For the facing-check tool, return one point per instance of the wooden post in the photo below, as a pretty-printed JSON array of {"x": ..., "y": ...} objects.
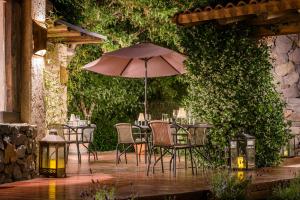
[
  {"x": 26, "y": 62},
  {"x": 2, "y": 57}
]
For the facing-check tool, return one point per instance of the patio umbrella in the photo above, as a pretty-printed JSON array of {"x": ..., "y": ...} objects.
[{"x": 144, "y": 60}]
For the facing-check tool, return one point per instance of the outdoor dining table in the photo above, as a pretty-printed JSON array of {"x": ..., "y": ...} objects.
[{"x": 81, "y": 137}]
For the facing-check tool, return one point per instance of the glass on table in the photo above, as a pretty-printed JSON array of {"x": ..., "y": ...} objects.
[{"x": 165, "y": 117}]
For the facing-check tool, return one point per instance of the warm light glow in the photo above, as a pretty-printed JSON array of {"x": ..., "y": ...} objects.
[
  {"x": 240, "y": 162},
  {"x": 141, "y": 117},
  {"x": 241, "y": 175},
  {"x": 181, "y": 113},
  {"x": 61, "y": 164},
  {"x": 285, "y": 151},
  {"x": 41, "y": 52},
  {"x": 52, "y": 190}
]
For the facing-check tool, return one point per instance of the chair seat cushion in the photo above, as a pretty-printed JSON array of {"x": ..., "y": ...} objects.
[
  {"x": 140, "y": 140},
  {"x": 181, "y": 146}
]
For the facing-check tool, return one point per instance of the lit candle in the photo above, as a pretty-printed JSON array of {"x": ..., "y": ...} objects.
[
  {"x": 240, "y": 162},
  {"x": 241, "y": 175},
  {"x": 61, "y": 164}
]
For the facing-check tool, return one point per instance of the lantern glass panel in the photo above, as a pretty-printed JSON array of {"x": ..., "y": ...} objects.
[
  {"x": 61, "y": 156},
  {"x": 52, "y": 157},
  {"x": 44, "y": 157},
  {"x": 292, "y": 147},
  {"x": 233, "y": 154},
  {"x": 251, "y": 156}
]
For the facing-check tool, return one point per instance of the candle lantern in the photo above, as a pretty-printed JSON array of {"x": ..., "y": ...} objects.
[
  {"x": 242, "y": 152},
  {"x": 288, "y": 150},
  {"x": 52, "y": 155}
]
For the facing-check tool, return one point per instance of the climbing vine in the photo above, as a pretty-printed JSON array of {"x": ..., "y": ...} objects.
[{"x": 230, "y": 86}]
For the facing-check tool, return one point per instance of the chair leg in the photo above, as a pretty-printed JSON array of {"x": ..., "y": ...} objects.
[
  {"x": 146, "y": 153},
  {"x": 78, "y": 153},
  {"x": 125, "y": 153},
  {"x": 191, "y": 155},
  {"x": 67, "y": 152},
  {"x": 140, "y": 152},
  {"x": 161, "y": 160},
  {"x": 174, "y": 163},
  {"x": 96, "y": 155},
  {"x": 171, "y": 160},
  {"x": 117, "y": 154},
  {"x": 149, "y": 160},
  {"x": 185, "y": 160},
  {"x": 136, "y": 154}
]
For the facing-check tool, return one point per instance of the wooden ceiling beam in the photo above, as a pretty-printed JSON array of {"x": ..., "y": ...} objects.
[
  {"x": 84, "y": 39},
  {"x": 260, "y": 8},
  {"x": 63, "y": 34},
  {"x": 57, "y": 28},
  {"x": 282, "y": 29}
]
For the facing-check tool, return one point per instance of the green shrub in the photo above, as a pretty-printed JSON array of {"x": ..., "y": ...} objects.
[
  {"x": 290, "y": 191},
  {"x": 229, "y": 187}
]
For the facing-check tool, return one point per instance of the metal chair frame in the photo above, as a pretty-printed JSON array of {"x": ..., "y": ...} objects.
[{"x": 129, "y": 141}]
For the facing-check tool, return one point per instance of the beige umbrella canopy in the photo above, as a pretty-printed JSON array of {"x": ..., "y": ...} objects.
[{"x": 144, "y": 60}]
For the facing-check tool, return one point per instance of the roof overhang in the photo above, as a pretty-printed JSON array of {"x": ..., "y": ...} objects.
[
  {"x": 64, "y": 32},
  {"x": 272, "y": 17}
]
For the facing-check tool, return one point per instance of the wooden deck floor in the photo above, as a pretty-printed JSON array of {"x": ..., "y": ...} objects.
[{"x": 130, "y": 180}]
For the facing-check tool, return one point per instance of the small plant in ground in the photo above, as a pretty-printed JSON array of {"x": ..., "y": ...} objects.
[
  {"x": 229, "y": 187},
  {"x": 287, "y": 191},
  {"x": 98, "y": 191}
]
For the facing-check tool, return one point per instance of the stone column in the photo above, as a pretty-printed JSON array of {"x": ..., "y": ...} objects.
[
  {"x": 2, "y": 57},
  {"x": 38, "y": 114}
]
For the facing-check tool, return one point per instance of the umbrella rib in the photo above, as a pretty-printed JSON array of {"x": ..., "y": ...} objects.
[
  {"x": 126, "y": 66},
  {"x": 170, "y": 64}
]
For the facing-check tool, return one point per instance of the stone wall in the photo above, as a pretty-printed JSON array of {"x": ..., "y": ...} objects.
[
  {"x": 17, "y": 152},
  {"x": 57, "y": 59},
  {"x": 285, "y": 52}
]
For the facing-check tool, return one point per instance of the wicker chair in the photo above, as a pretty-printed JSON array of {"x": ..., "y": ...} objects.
[
  {"x": 162, "y": 138},
  {"x": 125, "y": 138}
]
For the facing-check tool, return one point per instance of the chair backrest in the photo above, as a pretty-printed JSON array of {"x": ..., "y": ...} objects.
[
  {"x": 161, "y": 133},
  {"x": 198, "y": 136},
  {"x": 124, "y": 133},
  {"x": 88, "y": 133}
]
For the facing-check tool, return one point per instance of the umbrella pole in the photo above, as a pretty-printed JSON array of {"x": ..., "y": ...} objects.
[{"x": 145, "y": 100}]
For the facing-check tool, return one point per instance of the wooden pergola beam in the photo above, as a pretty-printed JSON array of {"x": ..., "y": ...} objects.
[
  {"x": 75, "y": 40},
  {"x": 64, "y": 32},
  {"x": 283, "y": 29},
  {"x": 240, "y": 10}
]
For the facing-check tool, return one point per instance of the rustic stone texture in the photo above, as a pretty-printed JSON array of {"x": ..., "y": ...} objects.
[
  {"x": 291, "y": 78},
  {"x": 21, "y": 150},
  {"x": 295, "y": 56},
  {"x": 10, "y": 153},
  {"x": 1, "y": 144},
  {"x": 17, "y": 174},
  {"x": 291, "y": 92},
  {"x": 285, "y": 55},
  {"x": 1, "y": 168},
  {"x": 21, "y": 139},
  {"x": 283, "y": 45},
  {"x": 18, "y": 159},
  {"x": 284, "y": 69}
]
